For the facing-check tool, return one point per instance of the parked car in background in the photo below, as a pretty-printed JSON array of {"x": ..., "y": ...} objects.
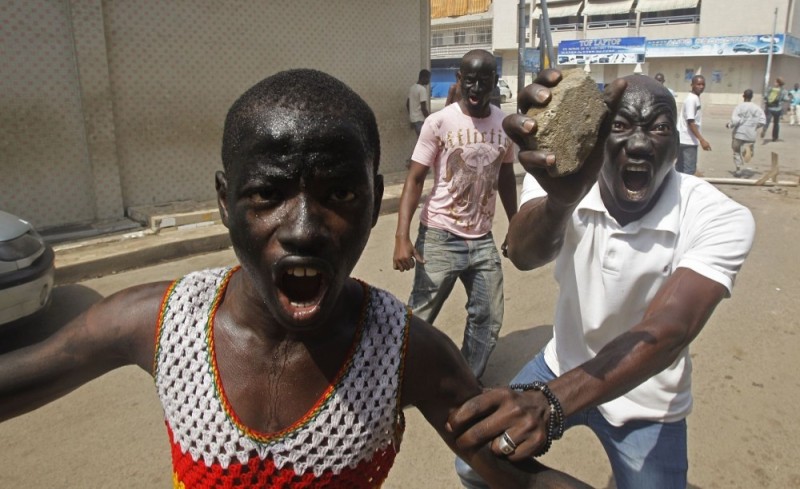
[
  {"x": 743, "y": 48},
  {"x": 27, "y": 269},
  {"x": 765, "y": 49},
  {"x": 505, "y": 91}
]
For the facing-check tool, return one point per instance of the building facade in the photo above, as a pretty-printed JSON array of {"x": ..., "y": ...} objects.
[
  {"x": 727, "y": 41},
  {"x": 111, "y": 104}
]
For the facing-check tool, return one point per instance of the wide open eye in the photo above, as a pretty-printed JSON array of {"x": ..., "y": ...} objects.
[
  {"x": 663, "y": 128},
  {"x": 619, "y": 125}
]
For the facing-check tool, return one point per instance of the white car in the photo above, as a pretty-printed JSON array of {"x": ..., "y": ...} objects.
[
  {"x": 505, "y": 91},
  {"x": 27, "y": 269}
]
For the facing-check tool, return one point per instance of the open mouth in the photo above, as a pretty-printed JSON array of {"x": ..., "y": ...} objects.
[
  {"x": 302, "y": 289},
  {"x": 636, "y": 179},
  {"x": 474, "y": 99}
]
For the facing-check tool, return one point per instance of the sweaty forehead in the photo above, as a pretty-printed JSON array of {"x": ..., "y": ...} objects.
[
  {"x": 287, "y": 129},
  {"x": 477, "y": 64},
  {"x": 647, "y": 99}
]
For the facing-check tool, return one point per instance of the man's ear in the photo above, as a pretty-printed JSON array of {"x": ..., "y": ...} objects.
[
  {"x": 221, "y": 183},
  {"x": 376, "y": 205}
]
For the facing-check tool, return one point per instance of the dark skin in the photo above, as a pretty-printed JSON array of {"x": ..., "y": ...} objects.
[
  {"x": 638, "y": 134},
  {"x": 292, "y": 200},
  {"x": 476, "y": 77}
]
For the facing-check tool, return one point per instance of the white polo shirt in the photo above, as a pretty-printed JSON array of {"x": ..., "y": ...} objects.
[{"x": 608, "y": 274}]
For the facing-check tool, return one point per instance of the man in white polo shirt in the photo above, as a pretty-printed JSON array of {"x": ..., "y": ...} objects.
[{"x": 643, "y": 256}]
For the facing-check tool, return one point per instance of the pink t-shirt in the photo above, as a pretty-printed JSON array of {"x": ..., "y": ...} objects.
[{"x": 465, "y": 154}]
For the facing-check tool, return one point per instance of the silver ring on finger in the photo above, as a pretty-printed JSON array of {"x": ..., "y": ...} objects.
[{"x": 506, "y": 444}]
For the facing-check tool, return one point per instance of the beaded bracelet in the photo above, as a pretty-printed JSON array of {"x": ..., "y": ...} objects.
[{"x": 555, "y": 425}]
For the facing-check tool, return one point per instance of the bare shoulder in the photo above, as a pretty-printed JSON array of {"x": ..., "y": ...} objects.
[
  {"x": 119, "y": 330},
  {"x": 127, "y": 321}
]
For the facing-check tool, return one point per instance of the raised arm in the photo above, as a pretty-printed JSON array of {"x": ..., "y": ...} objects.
[
  {"x": 437, "y": 380},
  {"x": 536, "y": 232},
  {"x": 117, "y": 331}
]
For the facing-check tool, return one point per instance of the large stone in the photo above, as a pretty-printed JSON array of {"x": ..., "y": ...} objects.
[{"x": 568, "y": 125}]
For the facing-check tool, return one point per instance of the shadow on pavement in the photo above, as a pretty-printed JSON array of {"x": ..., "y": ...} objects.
[
  {"x": 513, "y": 351},
  {"x": 66, "y": 303}
]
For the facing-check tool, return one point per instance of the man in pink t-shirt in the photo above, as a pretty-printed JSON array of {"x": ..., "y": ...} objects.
[{"x": 472, "y": 158}]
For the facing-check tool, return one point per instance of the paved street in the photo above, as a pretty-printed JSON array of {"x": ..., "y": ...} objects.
[{"x": 743, "y": 432}]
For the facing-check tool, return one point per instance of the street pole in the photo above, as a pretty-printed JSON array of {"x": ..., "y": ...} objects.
[
  {"x": 547, "y": 35},
  {"x": 769, "y": 53},
  {"x": 521, "y": 47}
]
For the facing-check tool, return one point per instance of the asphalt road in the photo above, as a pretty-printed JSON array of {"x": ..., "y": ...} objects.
[{"x": 742, "y": 433}]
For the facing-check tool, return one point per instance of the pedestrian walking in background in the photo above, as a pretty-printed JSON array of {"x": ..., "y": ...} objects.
[
  {"x": 745, "y": 121},
  {"x": 417, "y": 101},
  {"x": 661, "y": 79},
  {"x": 774, "y": 98},
  {"x": 689, "y": 123},
  {"x": 795, "y": 94}
]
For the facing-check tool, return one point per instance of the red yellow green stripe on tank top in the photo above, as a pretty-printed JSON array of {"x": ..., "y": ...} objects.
[
  {"x": 191, "y": 474},
  {"x": 160, "y": 324}
]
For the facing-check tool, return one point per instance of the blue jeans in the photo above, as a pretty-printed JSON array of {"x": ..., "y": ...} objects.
[
  {"x": 643, "y": 454},
  {"x": 476, "y": 263},
  {"x": 687, "y": 159}
]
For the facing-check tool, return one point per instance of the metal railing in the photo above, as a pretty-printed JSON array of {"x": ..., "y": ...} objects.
[
  {"x": 457, "y": 50},
  {"x": 678, "y": 19},
  {"x": 611, "y": 24}
]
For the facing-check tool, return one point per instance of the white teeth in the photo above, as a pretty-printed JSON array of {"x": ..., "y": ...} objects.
[
  {"x": 301, "y": 304},
  {"x": 302, "y": 272},
  {"x": 635, "y": 167}
]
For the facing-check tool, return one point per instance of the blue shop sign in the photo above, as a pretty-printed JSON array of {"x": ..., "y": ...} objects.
[
  {"x": 618, "y": 50},
  {"x": 755, "y": 44}
]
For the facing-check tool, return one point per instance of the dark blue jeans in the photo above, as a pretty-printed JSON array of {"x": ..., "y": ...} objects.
[{"x": 775, "y": 118}]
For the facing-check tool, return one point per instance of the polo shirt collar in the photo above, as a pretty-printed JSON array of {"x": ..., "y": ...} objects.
[{"x": 664, "y": 216}]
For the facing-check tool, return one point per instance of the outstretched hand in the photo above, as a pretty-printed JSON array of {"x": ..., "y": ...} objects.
[
  {"x": 565, "y": 190},
  {"x": 483, "y": 419}
]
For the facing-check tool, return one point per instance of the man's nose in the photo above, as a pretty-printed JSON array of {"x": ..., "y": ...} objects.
[
  {"x": 303, "y": 228},
  {"x": 638, "y": 140}
]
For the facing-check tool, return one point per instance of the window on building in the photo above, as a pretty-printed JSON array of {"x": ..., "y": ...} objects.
[
  {"x": 483, "y": 35},
  {"x": 437, "y": 39},
  {"x": 573, "y": 22},
  {"x": 612, "y": 20},
  {"x": 459, "y": 37},
  {"x": 684, "y": 12}
]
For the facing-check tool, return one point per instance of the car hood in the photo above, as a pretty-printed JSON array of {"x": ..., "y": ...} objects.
[{"x": 12, "y": 227}]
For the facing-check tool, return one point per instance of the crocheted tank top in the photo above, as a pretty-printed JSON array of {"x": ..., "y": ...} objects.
[{"x": 348, "y": 439}]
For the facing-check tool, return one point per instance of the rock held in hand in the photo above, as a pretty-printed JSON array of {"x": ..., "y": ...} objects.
[{"x": 568, "y": 125}]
